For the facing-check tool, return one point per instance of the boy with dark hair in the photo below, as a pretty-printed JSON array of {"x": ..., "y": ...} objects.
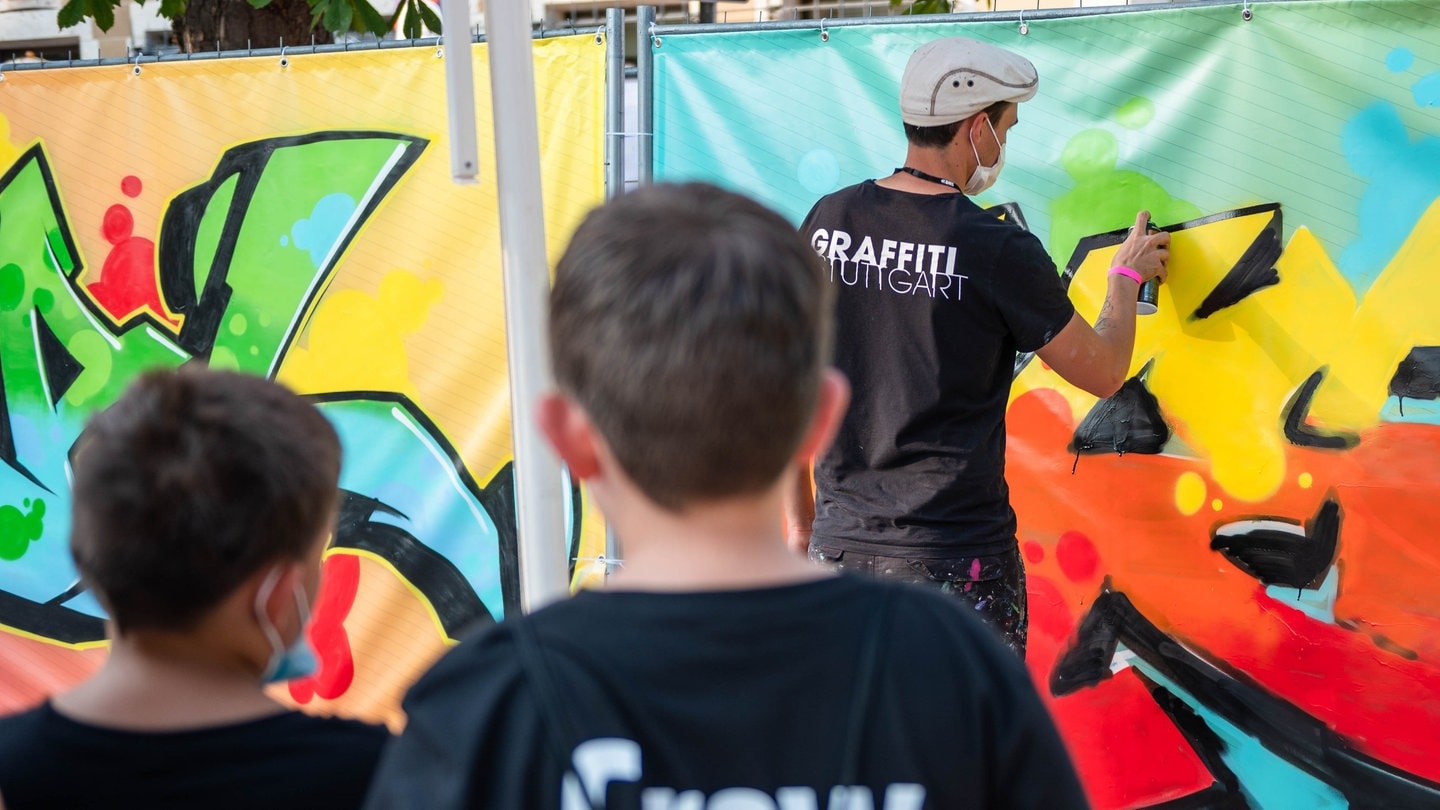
[
  {"x": 690, "y": 330},
  {"x": 202, "y": 503}
]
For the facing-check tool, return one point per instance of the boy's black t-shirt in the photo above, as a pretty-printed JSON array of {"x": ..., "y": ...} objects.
[
  {"x": 699, "y": 699},
  {"x": 934, "y": 298},
  {"x": 288, "y": 761}
]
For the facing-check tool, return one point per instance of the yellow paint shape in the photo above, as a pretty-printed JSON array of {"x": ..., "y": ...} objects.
[
  {"x": 8, "y": 152},
  {"x": 1224, "y": 381},
  {"x": 1217, "y": 504},
  {"x": 1189, "y": 493},
  {"x": 347, "y": 320},
  {"x": 1305, "y": 480},
  {"x": 1396, "y": 315}
]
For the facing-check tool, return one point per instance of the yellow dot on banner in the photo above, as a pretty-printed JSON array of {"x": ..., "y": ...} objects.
[
  {"x": 1217, "y": 504},
  {"x": 1306, "y": 480},
  {"x": 1189, "y": 493}
]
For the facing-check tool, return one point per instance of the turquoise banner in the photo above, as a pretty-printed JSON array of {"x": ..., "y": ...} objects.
[
  {"x": 1323, "y": 105},
  {"x": 1242, "y": 612}
]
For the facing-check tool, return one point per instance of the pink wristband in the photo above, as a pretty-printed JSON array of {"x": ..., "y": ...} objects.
[{"x": 1122, "y": 270}]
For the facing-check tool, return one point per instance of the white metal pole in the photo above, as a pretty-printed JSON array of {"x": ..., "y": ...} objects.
[
  {"x": 539, "y": 491},
  {"x": 460, "y": 91}
]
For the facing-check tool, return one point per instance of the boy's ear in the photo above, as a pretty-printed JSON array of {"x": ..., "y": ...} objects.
[
  {"x": 830, "y": 409},
  {"x": 570, "y": 431}
]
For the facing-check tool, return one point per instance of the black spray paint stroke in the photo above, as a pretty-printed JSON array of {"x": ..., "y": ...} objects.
[
  {"x": 1011, "y": 212},
  {"x": 1277, "y": 557},
  {"x": 1299, "y": 432},
  {"x": 50, "y": 620},
  {"x": 1245, "y": 266},
  {"x": 1418, "y": 376},
  {"x": 1224, "y": 793},
  {"x": 35, "y": 155},
  {"x": 60, "y": 367},
  {"x": 445, "y": 588},
  {"x": 8, "y": 453},
  {"x": 1254, "y": 271},
  {"x": 1128, "y": 421},
  {"x": 497, "y": 499},
  {"x": 1280, "y": 726},
  {"x": 180, "y": 227}
]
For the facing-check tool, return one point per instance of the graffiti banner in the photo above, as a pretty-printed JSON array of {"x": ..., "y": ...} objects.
[
  {"x": 1232, "y": 560},
  {"x": 292, "y": 218}
]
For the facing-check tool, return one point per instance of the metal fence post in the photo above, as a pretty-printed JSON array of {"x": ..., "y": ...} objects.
[{"x": 614, "y": 102}]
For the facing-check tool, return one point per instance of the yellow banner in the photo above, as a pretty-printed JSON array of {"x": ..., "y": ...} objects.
[{"x": 296, "y": 220}]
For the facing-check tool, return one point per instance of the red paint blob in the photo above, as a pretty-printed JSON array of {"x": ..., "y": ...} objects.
[
  {"x": 118, "y": 224},
  {"x": 1077, "y": 556},
  {"x": 1049, "y": 613},
  {"x": 131, "y": 186},
  {"x": 1034, "y": 552},
  {"x": 339, "y": 582}
]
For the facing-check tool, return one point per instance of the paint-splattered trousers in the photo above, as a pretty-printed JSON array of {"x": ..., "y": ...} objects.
[{"x": 994, "y": 586}]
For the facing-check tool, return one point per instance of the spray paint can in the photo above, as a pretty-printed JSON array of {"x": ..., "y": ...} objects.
[{"x": 1149, "y": 301}]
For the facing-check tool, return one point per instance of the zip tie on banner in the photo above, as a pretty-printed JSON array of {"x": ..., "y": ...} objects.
[
  {"x": 284, "y": 60},
  {"x": 1024, "y": 26},
  {"x": 136, "y": 69},
  {"x": 1245, "y": 13},
  {"x": 600, "y": 35},
  {"x": 824, "y": 35},
  {"x": 439, "y": 48},
  {"x": 654, "y": 38}
]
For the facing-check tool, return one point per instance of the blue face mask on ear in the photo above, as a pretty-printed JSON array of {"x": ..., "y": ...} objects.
[{"x": 286, "y": 663}]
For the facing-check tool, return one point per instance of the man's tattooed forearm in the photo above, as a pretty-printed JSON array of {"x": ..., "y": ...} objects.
[{"x": 1102, "y": 322}]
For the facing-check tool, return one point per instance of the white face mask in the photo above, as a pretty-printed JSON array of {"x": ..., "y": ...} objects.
[
  {"x": 984, "y": 176},
  {"x": 297, "y": 660}
]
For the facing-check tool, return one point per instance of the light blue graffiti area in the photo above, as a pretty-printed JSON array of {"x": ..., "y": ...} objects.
[
  {"x": 818, "y": 171},
  {"x": 419, "y": 480},
  {"x": 1404, "y": 181},
  {"x": 1411, "y": 410},
  {"x": 1266, "y": 779},
  {"x": 1399, "y": 60},
  {"x": 1427, "y": 91},
  {"x": 321, "y": 232}
]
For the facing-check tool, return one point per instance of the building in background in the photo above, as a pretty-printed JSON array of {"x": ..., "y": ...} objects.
[{"x": 28, "y": 31}]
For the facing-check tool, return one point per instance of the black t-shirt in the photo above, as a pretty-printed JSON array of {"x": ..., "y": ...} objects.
[
  {"x": 288, "y": 761},
  {"x": 934, "y": 298},
  {"x": 693, "y": 699}
]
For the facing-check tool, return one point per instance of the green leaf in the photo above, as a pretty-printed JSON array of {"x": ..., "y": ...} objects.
[
  {"x": 71, "y": 13},
  {"x": 259, "y": 3},
  {"x": 412, "y": 20},
  {"x": 428, "y": 16},
  {"x": 371, "y": 19},
  {"x": 929, "y": 7},
  {"x": 338, "y": 16},
  {"x": 170, "y": 9},
  {"x": 104, "y": 13}
]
